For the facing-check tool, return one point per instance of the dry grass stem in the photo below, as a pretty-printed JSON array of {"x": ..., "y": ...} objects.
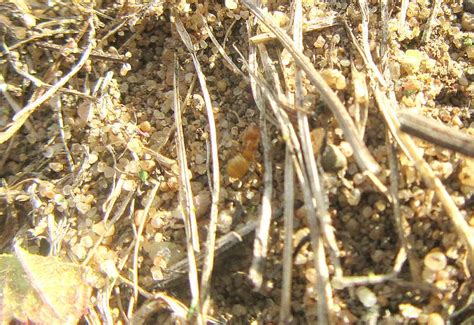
[
  {"x": 186, "y": 194},
  {"x": 324, "y": 230},
  {"x": 403, "y": 14},
  {"x": 436, "y": 132},
  {"x": 403, "y": 227},
  {"x": 435, "y": 5},
  {"x": 39, "y": 83},
  {"x": 180, "y": 269},
  {"x": 384, "y": 17},
  {"x": 137, "y": 245},
  {"x": 14, "y": 105},
  {"x": 285, "y": 309},
  {"x": 56, "y": 103},
  {"x": 363, "y": 157},
  {"x": 108, "y": 225},
  {"x": 231, "y": 65},
  {"x": 323, "y": 162},
  {"x": 215, "y": 189},
  {"x": 78, "y": 52},
  {"x": 286, "y": 127},
  {"x": 361, "y": 109},
  {"x": 21, "y": 117},
  {"x": 260, "y": 245},
  {"x": 461, "y": 227},
  {"x": 309, "y": 26},
  {"x": 186, "y": 204},
  {"x": 369, "y": 61},
  {"x": 406, "y": 143}
]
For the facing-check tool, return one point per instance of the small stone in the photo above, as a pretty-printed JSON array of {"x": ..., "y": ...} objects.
[
  {"x": 231, "y": 4},
  {"x": 470, "y": 51},
  {"x": 239, "y": 310},
  {"x": 334, "y": 78},
  {"x": 134, "y": 145},
  {"x": 224, "y": 221},
  {"x": 99, "y": 229},
  {"x": 435, "y": 319},
  {"x": 468, "y": 6},
  {"x": 147, "y": 165},
  {"x": 353, "y": 196},
  {"x": 87, "y": 241},
  {"x": 56, "y": 167},
  {"x": 346, "y": 149},
  {"x": 435, "y": 261},
  {"x": 411, "y": 61},
  {"x": 108, "y": 267},
  {"x": 79, "y": 251},
  {"x": 169, "y": 252},
  {"x": 333, "y": 159},
  {"x": 360, "y": 88},
  {"x": 129, "y": 185},
  {"x": 222, "y": 85},
  {"x": 145, "y": 126},
  {"x": 466, "y": 177},
  {"x": 156, "y": 273},
  {"x": 83, "y": 207},
  {"x": 467, "y": 22},
  {"x": 409, "y": 311},
  {"x": 202, "y": 202},
  {"x": 366, "y": 296}
]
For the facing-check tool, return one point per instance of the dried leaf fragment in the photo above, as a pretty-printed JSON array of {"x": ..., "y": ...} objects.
[{"x": 41, "y": 290}]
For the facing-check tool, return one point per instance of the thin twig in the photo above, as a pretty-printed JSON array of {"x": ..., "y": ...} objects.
[
  {"x": 407, "y": 144},
  {"x": 40, "y": 83},
  {"x": 108, "y": 225},
  {"x": 362, "y": 108},
  {"x": 232, "y": 66},
  {"x": 369, "y": 61},
  {"x": 115, "y": 192},
  {"x": 309, "y": 26},
  {"x": 403, "y": 14},
  {"x": 361, "y": 153},
  {"x": 186, "y": 204},
  {"x": 403, "y": 227},
  {"x": 260, "y": 247},
  {"x": 436, "y": 4},
  {"x": 211, "y": 235},
  {"x": 14, "y": 104},
  {"x": 285, "y": 309},
  {"x": 187, "y": 195},
  {"x": 56, "y": 103},
  {"x": 324, "y": 229},
  {"x": 179, "y": 270},
  {"x": 436, "y": 132},
  {"x": 20, "y": 118},
  {"x": 384, "y": 16},
  {"x": 388, "y": 108},
  {"x": 138, "y": 241},
  {"x": 94, "y": 54}
]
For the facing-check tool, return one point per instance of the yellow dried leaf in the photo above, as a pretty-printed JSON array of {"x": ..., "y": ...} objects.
[{"x": 41, "y": 290}]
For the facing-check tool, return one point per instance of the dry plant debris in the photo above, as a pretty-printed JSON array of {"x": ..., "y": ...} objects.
[{"x": 148, "y": 142}]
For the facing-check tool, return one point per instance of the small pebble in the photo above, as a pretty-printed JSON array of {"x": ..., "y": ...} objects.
[
  {"x": 435, "y": 261},
  {"x": 435, "y": 319},
  {"x": 366, "y": 296},
  {"x": 333, "y": 159},
  {"x": 467, "y": 22},
  {"x": 468, "y": 6}
]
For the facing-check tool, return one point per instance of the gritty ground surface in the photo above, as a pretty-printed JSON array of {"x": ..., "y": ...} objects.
[{"x": 78, "y": 177}]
